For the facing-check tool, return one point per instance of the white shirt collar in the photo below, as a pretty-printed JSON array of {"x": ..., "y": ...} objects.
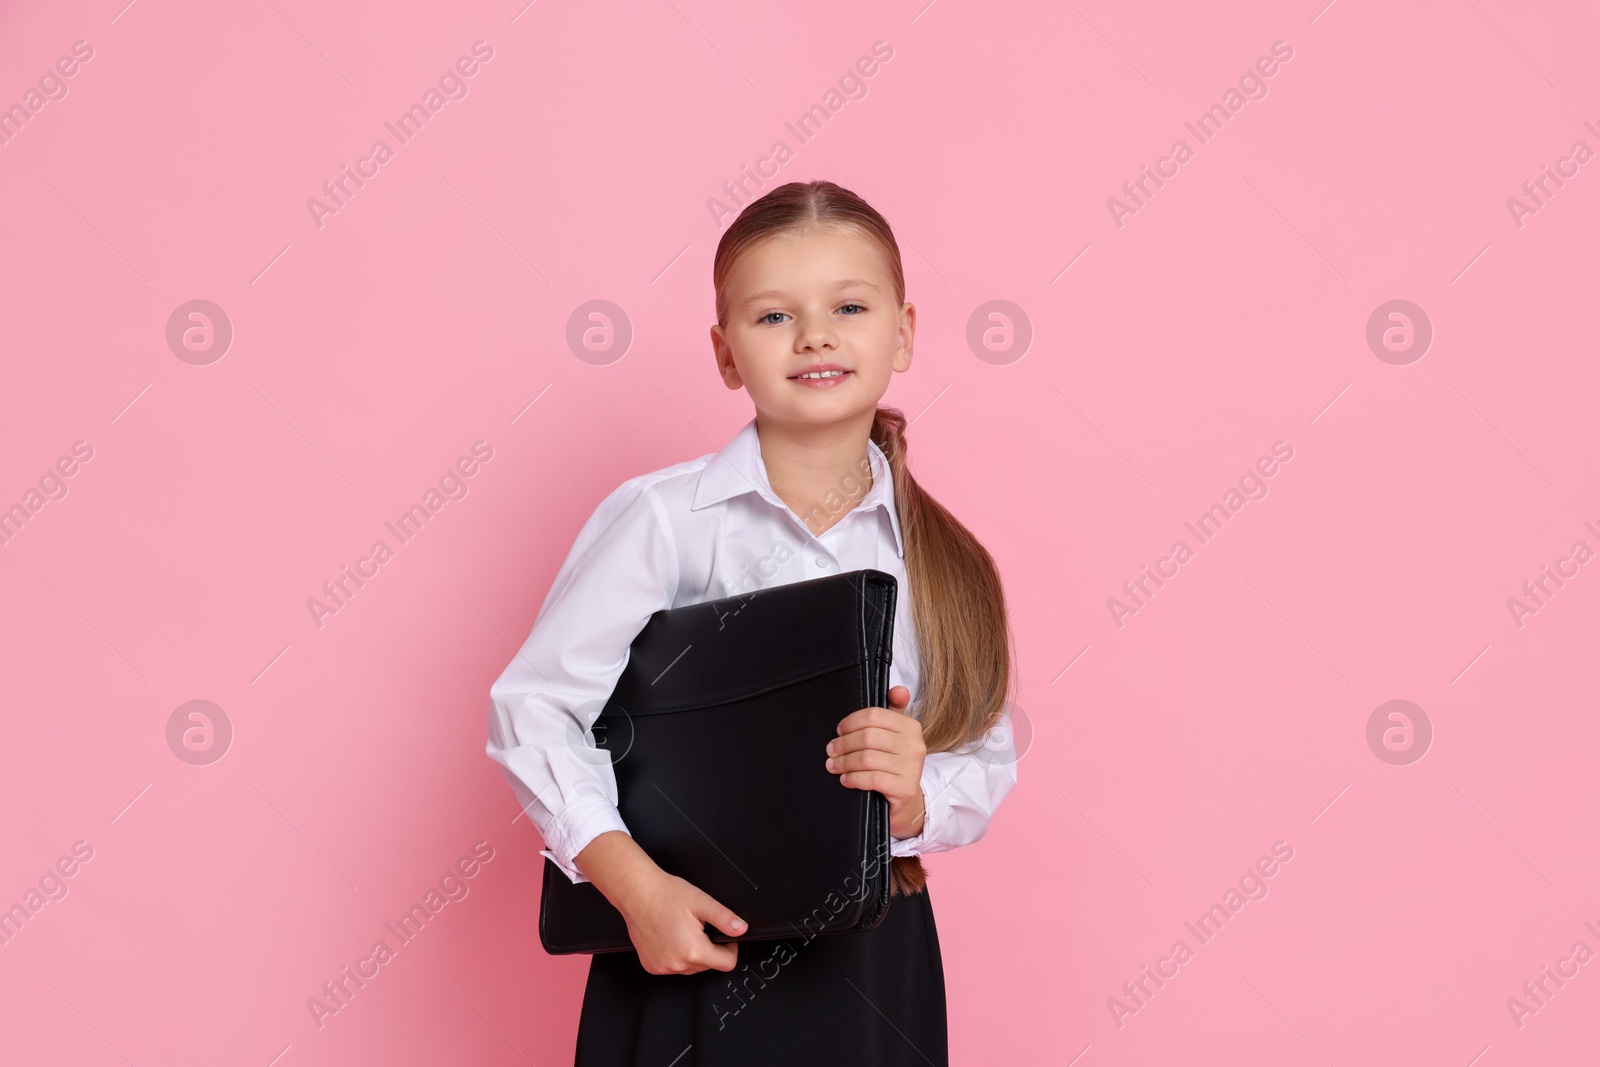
[{"x": 738, "y": 468}]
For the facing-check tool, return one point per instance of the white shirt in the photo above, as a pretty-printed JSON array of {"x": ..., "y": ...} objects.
[{"x": 696, "y": 531}]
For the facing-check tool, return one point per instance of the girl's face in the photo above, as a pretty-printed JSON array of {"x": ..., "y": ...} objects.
[{"x": 819, "y": 296}]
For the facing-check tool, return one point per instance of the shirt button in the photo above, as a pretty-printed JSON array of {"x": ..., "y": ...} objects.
[{"x": 822, "y": 561}]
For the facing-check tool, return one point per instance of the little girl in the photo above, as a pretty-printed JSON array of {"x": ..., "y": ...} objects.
[{"x": 811, "y": 322}]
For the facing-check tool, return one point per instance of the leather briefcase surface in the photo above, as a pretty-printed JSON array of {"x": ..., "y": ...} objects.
[{"x": 717, "y": 731}]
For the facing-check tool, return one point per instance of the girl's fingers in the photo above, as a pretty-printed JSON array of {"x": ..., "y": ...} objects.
[
  {"x": 878, "y": 737},
  {"x": 722, "y": 957},
  {"x": 708, "y": 909},
  {"x": 867, "y": 759},
  {"x": 873, "y": 742},
  {"x": 886, "y": 718}
]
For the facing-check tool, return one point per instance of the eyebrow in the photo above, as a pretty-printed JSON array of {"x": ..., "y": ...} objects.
[{"x": 767, "y": 294}]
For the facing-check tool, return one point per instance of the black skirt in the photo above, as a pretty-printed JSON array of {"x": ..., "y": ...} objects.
[{"x": 836, "y": 999}]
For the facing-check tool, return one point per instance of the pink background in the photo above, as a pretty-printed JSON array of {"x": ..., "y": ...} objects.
[{"x": 1229, "y": 313}]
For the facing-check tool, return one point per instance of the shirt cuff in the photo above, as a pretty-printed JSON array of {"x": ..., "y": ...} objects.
[
  {"x": 936, "y": 813},
  {"x": 579, "y": 823}
]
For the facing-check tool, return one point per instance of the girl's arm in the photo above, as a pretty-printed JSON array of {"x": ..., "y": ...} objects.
[
  {"x": 961, "y": 791},
  {"x": 622, "y": 568},
  {"x": 937, "y": 800}
]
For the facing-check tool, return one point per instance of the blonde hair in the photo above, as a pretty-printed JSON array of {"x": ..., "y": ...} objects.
[{"x": 964, "y": 638}]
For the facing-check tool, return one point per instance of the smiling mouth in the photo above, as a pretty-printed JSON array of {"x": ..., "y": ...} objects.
[{"x": 819, "y": 375}]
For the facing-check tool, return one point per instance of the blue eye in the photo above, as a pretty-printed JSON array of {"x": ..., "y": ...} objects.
[
  {"x": 853, "y": 306},
  {"x": 768, "y": 316}
]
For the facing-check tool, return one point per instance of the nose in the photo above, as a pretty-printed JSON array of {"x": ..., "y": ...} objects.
[{"x": 816, "y": 334}]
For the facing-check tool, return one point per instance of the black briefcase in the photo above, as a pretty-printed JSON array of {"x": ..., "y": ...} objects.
[{"x": 717, "y": 732}]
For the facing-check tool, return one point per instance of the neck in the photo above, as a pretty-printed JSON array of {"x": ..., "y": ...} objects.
[{"x": 821, "y": 472}]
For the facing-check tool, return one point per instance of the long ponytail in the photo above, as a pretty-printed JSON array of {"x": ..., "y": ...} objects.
[{"x": 958, "y": 604}]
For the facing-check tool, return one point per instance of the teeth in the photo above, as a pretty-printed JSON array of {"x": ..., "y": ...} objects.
[{"x": 822, "y": 374}]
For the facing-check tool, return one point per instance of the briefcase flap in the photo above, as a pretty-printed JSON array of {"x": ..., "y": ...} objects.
[{"x": 711, "y": 653}]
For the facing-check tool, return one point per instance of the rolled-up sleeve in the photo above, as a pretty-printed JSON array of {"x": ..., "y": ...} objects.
[
  {"x": 961, "y": 791},
  {"x": 622, "y": 567}
]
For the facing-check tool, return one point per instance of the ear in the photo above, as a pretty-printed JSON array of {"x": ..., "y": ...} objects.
[
  {"x": 723, "y": 354},
  {"x": 904, "y": 337}
]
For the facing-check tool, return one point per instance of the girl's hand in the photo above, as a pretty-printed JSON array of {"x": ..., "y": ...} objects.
[
  {"x": 665, "y": 914},
  {"x": 882, "y": 749},
  {"x": 666, "y": 925}
]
